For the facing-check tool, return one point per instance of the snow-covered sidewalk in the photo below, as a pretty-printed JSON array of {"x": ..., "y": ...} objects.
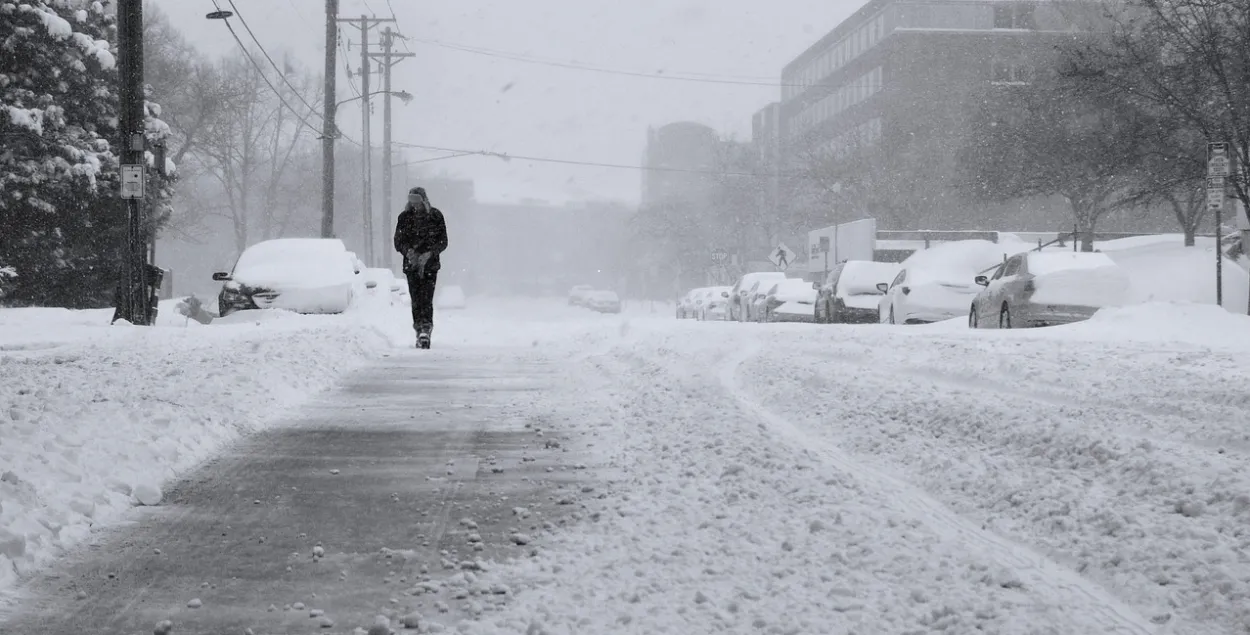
[
  {"x": 96, "y": 418},
  {"x": 788, "y": 479}
]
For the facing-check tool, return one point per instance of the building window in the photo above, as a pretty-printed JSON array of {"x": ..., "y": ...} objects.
[{"x": 1014, "y": 15}]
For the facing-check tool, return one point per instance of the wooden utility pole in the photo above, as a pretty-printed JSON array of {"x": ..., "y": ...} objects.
[
  {"x": 133, "y": 298},
  {"x": 365, "y": 23},
  {"x": 328, "y": 130},
  {"x": 389, "y": 59}
]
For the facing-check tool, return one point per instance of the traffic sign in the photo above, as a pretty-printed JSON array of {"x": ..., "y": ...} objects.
[
  {"x": 782, "y": 257},
  {"x": 1215, "y": 192},
  {"x": 1218, "y": 163},
  {"x": 132, "y": 181},
  {"x": 719, "y": 256}
]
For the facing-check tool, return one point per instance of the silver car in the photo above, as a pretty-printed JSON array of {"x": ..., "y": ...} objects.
[{"x": 1047, "y": 289}]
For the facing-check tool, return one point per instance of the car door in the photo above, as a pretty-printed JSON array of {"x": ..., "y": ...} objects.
[
  {"x": 985, "y": 299},
  {"x": 1001, "y": 288},
  {"x": 829, "y": 291},
  {"x": 892, "y": 297}
]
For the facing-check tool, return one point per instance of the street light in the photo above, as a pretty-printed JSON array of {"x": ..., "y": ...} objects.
[
  {"x": 220, "y": 15},
  {"x": 403, "y": 96}
]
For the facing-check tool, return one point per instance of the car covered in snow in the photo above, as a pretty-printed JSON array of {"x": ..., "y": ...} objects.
[
  {"x": 603, "y": 301},
  {"x": 716, "y": 306},
  {"x": 939, "y": 283},
  {"x": 304, "y": 275},
  {"x": 739, "y": 294},
  {"x": 849, "y": 294},
  {"x": 688, "y": 305},
  {"x": 450, "y": 297},
  {"x": 789, "y": 300},
  {"x": 577, "y": 295},
  {"x": 1046, "y": 289}
]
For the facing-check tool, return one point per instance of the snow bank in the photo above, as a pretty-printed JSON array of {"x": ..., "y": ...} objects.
[
  {"x": 97, "y": 418},
  {"x": 1170, "y": 272}
]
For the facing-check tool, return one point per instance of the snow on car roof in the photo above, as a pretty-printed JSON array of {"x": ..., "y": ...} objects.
[
  {"x": 1041, "y": 263},
  {"x": 958, "y": 261},
  {"x": 861, "y": 277},
  {"x": 301, "y": 262}
]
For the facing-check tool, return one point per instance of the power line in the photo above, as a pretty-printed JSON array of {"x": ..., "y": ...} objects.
[
  {"x": 402, "y": 40},
  {"x": 261, "y": 71},
  {"x": 281, "y": 74},
  {"x": 457, "y": 152}
]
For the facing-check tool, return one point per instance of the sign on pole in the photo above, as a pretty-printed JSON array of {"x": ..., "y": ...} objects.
[
  {"x": 132, "y": 181},
  {"x": 1218, "y": 162},
  {"x": 719, "y": 256},
  {"x": 782, "y": 257},
  {"x": 1215, "y": 193}
]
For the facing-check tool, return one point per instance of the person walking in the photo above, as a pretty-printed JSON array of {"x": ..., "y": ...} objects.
[{"x": 421, "y": 236}]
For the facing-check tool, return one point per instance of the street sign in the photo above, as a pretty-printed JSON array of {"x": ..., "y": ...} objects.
[
  {"x": 132, "y": 181},
  {"x": 1215, "y": 192},
  {"x": 1218, "y": 163},
  {"x": 782, "y": 257},
  {"x": 719, "y": 256}
]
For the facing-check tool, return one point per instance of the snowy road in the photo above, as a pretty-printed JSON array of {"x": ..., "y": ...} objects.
[
  {"x": 380, "y": 474},
  {"x": 745, "y": 479}
]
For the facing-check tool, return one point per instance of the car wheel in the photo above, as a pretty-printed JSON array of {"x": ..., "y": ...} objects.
[
  {"x": 1004, "y": 318},
  {"x": 892, "y": 315},
  {"x": 972, "y": 318},
  {"x": 820, "y": 314}
]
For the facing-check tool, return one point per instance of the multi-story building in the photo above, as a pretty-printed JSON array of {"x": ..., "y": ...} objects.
[
  {"x": 898, "y": 75},
  {"x": 679, "y": 159}
]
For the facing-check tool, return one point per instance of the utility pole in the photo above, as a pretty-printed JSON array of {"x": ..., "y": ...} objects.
[
  {"x": 133, "y": 298},
  {"x": 389, "y": 59},
  {"x": 328, "y": 130},
  {"x": 364, "y": 23}
]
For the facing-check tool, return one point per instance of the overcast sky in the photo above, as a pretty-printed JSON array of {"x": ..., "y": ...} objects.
[{"x": 481, "y": 102}]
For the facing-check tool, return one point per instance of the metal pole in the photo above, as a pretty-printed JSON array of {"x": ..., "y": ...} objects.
[
  {"x": 328, "y": 131},
  {"x": 1219, "y": 255},
  {"x": 367, "y": 165},
  {"x": 132, "y": 296},
  {"x": 388, "y": 40}
]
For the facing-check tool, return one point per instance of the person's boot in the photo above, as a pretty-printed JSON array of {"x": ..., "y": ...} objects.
[{"x": 423, "y": 336}]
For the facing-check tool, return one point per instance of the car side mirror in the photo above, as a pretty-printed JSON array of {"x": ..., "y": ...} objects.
[
  {"x": 221, "y": 276},
  {"x": 883, "y": 287},
  {"x": 724, "y": 294},
  {"x": 816, "y": 286},
  {"x": 983, "y": 281},
  {"x": 372, "y": 284}
]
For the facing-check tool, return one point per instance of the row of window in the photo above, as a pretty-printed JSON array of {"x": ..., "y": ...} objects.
[
  {"x": 839, "y": 101},
  {"x": 865, "y": 135},
  {"x": 835, "y": 57}
]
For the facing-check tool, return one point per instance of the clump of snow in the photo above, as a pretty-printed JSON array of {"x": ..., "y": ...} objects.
[{"x": 29, "y": 118}]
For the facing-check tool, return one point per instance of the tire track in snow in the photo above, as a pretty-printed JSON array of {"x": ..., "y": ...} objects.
[{"x": 1035, "y": 570}]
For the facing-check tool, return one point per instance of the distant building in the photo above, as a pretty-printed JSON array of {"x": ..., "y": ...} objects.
[
  {"x": 898, "y": 74},
  {"x": 676, "y": 160}
]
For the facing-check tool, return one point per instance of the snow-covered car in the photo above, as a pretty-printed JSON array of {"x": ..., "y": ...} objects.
[
  {"x": 603, "y": 301},
  {"x": 756, "y": 298},
  {"x": 1046, "y": 289},
  {"x": 790, "y": 300},
  {"x": 450, "y": 297},
  {"x": 939, "y": 283},
  {"x": 577, "y": 295},
  {"x": 687, "y": 306},
  {"x": 305, "y": 275},
  {"x": 716, "y": 306},
  {"x": 850, "y": 295},
  {"x": 738, "y": 295}
]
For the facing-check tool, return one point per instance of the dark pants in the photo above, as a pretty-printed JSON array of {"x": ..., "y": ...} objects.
[{"x": 421, "y": 292}]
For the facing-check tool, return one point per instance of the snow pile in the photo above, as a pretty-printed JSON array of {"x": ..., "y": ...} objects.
[
  {"x": 725, "y": 522},
  {"x": 96, "y": 418},
  {"x": 295, "y": 263},
  {"x": 1166, "y": 270}
]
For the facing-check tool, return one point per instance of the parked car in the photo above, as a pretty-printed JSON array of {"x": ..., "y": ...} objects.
[
  {"x": 688, "y": 305},
  {"x": 306, "y": 275},
  {"x": 738, "y": 301},
  {"x": 850, "y": 295},
  {"x": 938, "y": 283},
  {"x": 603, "y": 301},
  {"x": 789, "y": 300},
  {"x": 716, "y": 306},
  {"x": 1046, "y": 289},
  {"x": 450, "y": 297},
  {"x": 577, "y": 295}
]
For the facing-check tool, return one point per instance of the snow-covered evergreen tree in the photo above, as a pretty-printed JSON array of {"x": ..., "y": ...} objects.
[{"x": 63, "y": 223}]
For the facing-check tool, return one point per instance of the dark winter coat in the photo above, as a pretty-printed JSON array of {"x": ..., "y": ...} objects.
[{"x": 421, "y": 232}]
